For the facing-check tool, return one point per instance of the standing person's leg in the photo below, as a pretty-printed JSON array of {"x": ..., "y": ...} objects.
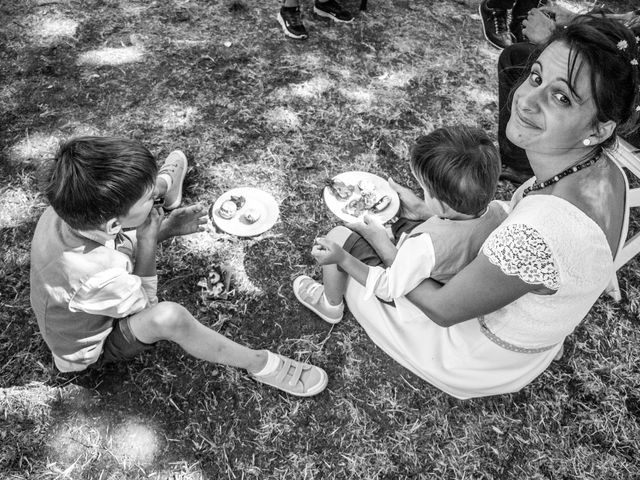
[
  {"x": 511, "y": 67},
  {"x": 171, "y": 321},
  {"x": 496, "y": 17},
  {"x": 290, "y": 19}
]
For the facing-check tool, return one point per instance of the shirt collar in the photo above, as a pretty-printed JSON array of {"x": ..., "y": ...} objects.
[{"x": 99, "y": 236}]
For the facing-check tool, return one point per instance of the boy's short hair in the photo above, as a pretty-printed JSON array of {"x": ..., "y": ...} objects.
[
  {"x": 458, "y": 165},
  {"x": 94, "y": 179}
]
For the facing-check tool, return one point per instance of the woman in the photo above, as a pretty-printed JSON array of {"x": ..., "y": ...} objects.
[
  {"x": 499, "y": 323},
  {"x": 538, "y": 26}
]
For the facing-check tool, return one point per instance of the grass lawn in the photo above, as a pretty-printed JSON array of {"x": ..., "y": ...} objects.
[{"x": 217, "y": 79}]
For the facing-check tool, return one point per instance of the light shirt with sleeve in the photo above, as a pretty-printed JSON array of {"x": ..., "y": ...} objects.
[
  {"x": 81, "y": 280},
  {"x": 437, "y": 248}
]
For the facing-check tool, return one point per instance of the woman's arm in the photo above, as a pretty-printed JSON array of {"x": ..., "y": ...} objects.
[{"x": 478, "y": 289}]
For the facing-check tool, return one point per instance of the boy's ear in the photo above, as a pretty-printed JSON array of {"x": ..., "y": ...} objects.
[{"x": 112, "y": 226}]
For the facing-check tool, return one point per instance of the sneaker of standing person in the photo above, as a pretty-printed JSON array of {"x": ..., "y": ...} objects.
[
  {"x": 495, "y": 25},
  {"x": 333, "y": 10},
  {"x": 291, "y": 21}
]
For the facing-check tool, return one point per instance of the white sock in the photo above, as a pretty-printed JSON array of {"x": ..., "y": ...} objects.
[
  {"x": 273, "y": 361},
  {"x": 167, "y": 178},
  {"x": 332, "y": 308}
]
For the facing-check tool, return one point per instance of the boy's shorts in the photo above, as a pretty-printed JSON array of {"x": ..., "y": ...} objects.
[
  {"x": 363, "y": 251},
  {"x": 121, "y": 344}
]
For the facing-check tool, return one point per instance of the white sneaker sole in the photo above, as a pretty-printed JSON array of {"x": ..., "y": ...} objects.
[
  {"x": 296, "y": 287},
  {"x": 286, "y": 30},
  {"x": 322, "y": 13}
]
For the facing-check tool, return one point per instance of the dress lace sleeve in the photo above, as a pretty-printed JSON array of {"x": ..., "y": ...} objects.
[{"x": 520, "y": 250}]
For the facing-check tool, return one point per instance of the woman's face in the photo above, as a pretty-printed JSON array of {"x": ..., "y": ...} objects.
[{"x": 546, "y": 115}]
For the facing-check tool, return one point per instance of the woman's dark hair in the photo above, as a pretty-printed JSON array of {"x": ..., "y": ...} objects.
[
  {"x": 94, "y": 179},
  {"x": 458, "y": 165},
  {"x": 611, "y": 51}
]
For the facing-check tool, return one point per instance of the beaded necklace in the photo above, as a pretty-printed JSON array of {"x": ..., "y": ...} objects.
[{"x": 556, "y": 178}]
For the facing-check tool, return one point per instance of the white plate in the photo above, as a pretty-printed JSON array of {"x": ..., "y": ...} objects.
[
  {"x": 352, "y": 178},
  {"x": 255, "y": 198}
]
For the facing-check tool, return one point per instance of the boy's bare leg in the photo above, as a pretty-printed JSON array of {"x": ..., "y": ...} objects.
[
  {"x": 171, "y": 321},
  {"x": 335, "y": 281},
  {"x": 149, "y": 326}
]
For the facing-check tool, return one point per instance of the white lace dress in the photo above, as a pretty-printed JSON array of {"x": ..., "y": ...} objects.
[{"x": 545, "y": 239}]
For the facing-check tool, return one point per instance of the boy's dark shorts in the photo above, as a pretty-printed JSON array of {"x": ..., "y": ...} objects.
[
  {"x": 363, "y": 251},
  {"x": 121, "y": 344}
]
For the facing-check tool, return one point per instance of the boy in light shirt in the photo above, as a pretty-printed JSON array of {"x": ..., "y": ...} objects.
[{"x": 93, "y": 266}]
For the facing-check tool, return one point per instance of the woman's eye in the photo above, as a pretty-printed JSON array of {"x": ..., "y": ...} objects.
[
  {"x": 562, "y": 98},
  {"x": 535, "y": 78}
]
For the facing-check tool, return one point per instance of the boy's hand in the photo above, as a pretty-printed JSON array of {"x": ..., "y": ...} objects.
[
  {"x": 412, "y": 207},
  {"x": 327, "y": 252},
  {"x": 151, "y": 226},
  {"x": 183, "y": 221},
  {"x": 370, "y": 228}
]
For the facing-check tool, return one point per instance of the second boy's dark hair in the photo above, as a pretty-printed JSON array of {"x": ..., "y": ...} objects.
[
  {"x": 94, "y": 179},
  {"x": 459, "y": 165}
]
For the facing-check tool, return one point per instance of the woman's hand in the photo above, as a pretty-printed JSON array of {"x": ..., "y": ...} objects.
[
  {"x": 412, "y": 207},
  {"x": 327, "y": 252},
  {"x": 183, "y": 221}
]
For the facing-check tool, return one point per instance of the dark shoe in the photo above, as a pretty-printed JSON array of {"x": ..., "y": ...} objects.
[
  {"x": 517, "y": 177},
  {"x": 291, "y": 21},
  {"x": 495, "y": 25},
  {"x": 333, "y": 10}
]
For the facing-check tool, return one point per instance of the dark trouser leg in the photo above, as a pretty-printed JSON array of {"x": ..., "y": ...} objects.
[
  {"x": 501, "y": 4},
  {"x": 511, "y": 66}
]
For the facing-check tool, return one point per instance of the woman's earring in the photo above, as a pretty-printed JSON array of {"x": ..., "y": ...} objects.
[{"x": 586, "y": 142}]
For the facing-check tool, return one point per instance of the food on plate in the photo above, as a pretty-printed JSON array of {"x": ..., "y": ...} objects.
[
  {"x": 228, "y": 209},
  {"x": 251, "y": 215},
  {"x": 355, "y": 207},
  {"x": 382, "y": 203},
  {"x": 239, "y": 200},
  {"x": 366, "y": 187},
  {"x": 340, "y": 190},
  {"x": 358, "y": 194}
]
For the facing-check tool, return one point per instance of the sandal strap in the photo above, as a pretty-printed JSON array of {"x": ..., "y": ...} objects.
[{"x": 312, "y": 289}]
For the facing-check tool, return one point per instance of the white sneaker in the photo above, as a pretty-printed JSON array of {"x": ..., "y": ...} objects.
[
  {"x": 311, "y": 294},
  {"x": 176, "y": 167}
]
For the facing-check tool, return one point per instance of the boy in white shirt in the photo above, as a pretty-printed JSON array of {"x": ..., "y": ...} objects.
[
  {"x": 458, "y": 169},
  {"x": 93, "y": 268}
]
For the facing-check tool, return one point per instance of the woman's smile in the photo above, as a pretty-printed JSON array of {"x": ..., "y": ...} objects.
[{"x": 524, "y": 121}]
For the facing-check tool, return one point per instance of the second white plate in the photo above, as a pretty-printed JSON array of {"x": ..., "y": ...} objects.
[{"x": 257, "y": 199}]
